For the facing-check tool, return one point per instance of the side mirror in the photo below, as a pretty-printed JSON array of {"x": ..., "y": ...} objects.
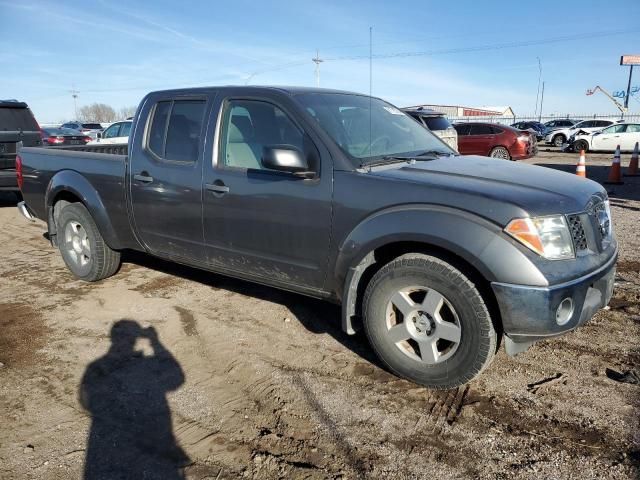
[
  {"x": 99, "y": 135},
  {"x": 286, "y": 158}
]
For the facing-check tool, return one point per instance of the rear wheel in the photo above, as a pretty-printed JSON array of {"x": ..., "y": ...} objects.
[
  {"x": 427, "y": 322},
  {"x": 83, "y": 249},
  {"x": 500, "y": 152},
  {"x": 559, "y": 140},
  {"x": 581, "y": 145}
]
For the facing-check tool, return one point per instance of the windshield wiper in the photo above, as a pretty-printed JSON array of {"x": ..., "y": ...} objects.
[
  {"x": 432, "y": 153},
  {"x": 388, "y": 159}
]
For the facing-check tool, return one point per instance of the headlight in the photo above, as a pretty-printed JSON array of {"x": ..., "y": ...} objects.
[{"x": 547, "y": 236}]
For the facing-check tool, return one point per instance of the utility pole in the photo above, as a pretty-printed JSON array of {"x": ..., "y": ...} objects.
[
  {"x": 74, "y": 93},
  {"x": 317, "y": 60},
  {"x": 539, "y": 78},
  {"x": 541, "y": 102}
]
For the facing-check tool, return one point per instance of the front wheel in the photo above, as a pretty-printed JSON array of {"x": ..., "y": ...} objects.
[
  {"x": 581, "y": 145},
  {"x": 500, "y": 152},
  {"x": 559, "y": 140},
  {"x": 83, "y": 249},
  {"x": 427, "y": 322}
]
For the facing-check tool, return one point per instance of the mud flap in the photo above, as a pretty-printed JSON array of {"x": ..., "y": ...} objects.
[{"x": 512, "y": 348}]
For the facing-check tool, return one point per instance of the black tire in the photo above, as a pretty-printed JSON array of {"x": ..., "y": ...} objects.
[
  {"x": 477, "y": 336},
  {"x": 500, "y": 152},
  {"x": 83, "y": 249},
  {"x": 558, "y": 140},
  {"x": 581, "y": 145}
]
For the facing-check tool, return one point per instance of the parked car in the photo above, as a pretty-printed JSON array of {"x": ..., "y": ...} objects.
[
  {"x": 536, "y": 127},
  {"x": 17, "y": 124},
  {"x": 492, "y": 140},
  {"x": 115, "y": 133},
  {"x": 63, "y": 136},
  {"x": 90, "y": 129},
  {"x": 557, "y": 124},
  {"x": 437, "y": 122},
  {"x": 342, "y": 197},
  {"x": 626, "y": 135},
  {"x": 560, "y": 137}
]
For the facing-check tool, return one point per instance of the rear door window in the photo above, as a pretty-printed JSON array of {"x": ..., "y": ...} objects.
[
  {"x": 158, "y": 128},
  {"x": 176, "y": 129},
  {"x": 481, "y": 130},
  {"x": 183, "y": 133},
  {"x": 462, "y": 129},
  {"x": 112, "y": 131},
  {"x": 125, "y": 129}
]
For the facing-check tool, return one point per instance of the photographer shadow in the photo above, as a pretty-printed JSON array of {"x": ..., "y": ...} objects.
[{"x": 125, "y": 392}]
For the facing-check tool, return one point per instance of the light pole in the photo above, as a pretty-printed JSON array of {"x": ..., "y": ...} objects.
[
  {"x": 541, "y": 102},
  {"x": 539, "y": 78},
  {"x": 317, "y": 60},
  {"x": 74, "y": 93}
]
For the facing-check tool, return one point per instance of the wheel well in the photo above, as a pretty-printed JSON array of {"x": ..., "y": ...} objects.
[
  {"x": 61, "y": 200},
  {"x": 386, "y": 253}
]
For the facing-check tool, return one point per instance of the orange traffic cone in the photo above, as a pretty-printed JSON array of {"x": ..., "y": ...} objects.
[
  {"x": 581, "y": 168},
  {"x": 615, "y": 174},
  {"x": 632, "y": 171}
]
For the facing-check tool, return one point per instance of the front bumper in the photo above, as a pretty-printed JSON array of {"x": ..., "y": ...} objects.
[
  {"x": 8, "y": 180},
  {"x": 529, "y": 313}
]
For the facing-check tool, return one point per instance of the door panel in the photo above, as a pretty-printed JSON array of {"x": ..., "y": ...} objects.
[
  {"x": 166, "y": 179},
  {"x": 259, "y": 222}
]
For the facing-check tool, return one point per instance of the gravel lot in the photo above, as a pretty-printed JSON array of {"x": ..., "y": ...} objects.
[{"x": 247, "y": 381}]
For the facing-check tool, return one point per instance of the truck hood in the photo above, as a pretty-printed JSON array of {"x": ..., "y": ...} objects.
[{"x": 529, "y": 189}]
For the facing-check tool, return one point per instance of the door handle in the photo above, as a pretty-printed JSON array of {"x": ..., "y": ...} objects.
[
  {"x": 143, "y": 177},
  {"x": 218, "y": 188}
]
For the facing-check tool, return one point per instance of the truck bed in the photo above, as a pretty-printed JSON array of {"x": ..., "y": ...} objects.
[{"x": 46, "y": 168}]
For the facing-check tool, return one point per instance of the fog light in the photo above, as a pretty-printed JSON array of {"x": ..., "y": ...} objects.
[{"x": 564, "y": 311}]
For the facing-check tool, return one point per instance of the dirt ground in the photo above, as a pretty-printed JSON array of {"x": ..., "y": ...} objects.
[{"x": 246, "y": 381}]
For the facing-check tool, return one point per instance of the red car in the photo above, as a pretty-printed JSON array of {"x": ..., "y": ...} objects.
[{"x": 492, "y": 140}]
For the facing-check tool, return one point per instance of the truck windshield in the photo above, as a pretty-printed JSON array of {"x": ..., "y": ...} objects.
[{"x": 369, "y": 129}]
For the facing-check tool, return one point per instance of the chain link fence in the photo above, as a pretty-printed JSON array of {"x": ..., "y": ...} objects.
[{"x": 543, "y": 119}]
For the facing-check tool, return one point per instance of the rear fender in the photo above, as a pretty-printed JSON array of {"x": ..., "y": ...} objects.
[
  {"x": 71, "y": 182},
  {"x": 478, "y": 242}
]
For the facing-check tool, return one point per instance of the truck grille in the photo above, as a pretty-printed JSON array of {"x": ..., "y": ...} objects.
[{"x": 577, "y": 232}]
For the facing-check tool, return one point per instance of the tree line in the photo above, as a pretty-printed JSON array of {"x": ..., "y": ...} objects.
[{"x": 103, "y": 113}]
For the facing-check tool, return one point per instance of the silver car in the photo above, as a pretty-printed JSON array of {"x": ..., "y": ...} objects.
[{"x": 436, "y": 122}]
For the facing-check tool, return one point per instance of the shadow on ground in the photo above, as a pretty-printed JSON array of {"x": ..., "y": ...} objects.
[
  {"x": 9, "y": 199},
  {"x": 317, "y": 316},
  {"x": 125, "y": 392}
]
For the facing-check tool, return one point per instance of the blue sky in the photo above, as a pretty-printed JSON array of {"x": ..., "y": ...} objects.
[{"x": 116, "y": 51}]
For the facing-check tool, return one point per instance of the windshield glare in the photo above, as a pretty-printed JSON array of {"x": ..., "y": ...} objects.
[{"x": 365, "y": 138}]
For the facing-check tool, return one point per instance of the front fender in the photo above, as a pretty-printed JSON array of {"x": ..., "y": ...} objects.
[
  {"x": 74, "y": 183},
  {"x": 477, "y": 241}
]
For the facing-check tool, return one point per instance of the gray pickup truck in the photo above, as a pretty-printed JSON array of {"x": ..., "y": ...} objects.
[{"x": 335, "y": 195}]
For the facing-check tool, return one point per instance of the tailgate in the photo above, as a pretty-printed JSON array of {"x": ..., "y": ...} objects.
[{"x": 9, "y": 144}]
